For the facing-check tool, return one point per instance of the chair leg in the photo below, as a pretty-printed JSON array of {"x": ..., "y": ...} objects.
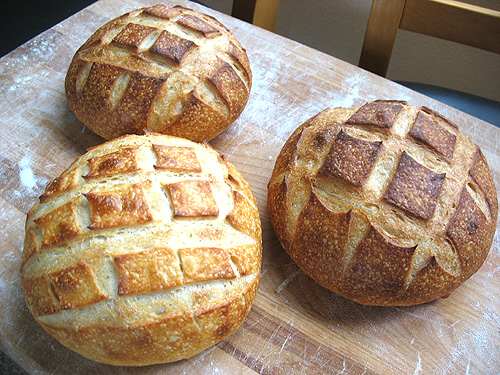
[
  {"x": 380, "y": 35},
  {"x": 262, "y": 13},
  {"x": 244, "y": 10}
]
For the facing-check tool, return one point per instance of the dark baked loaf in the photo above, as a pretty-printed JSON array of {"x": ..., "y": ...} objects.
[
  {"x": 167, "y": 70},
  {"x": 147, "y": 249},
  {"x": 386, "y": 204}
]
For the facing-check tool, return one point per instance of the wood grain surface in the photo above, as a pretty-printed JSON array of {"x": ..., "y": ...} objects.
[{"x": 295, "y": 326}]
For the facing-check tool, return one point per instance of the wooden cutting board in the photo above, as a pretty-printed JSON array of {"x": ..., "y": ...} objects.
[{"x": 295, "y": 326}]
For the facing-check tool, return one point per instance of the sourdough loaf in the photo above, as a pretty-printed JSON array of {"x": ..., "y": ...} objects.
[
  {"x": 168, "y": 70},
  {"x": 386, "y": 204},
  {"x": 147, "y": 249}
]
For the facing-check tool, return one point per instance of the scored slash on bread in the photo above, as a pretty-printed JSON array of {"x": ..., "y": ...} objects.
[
  {"x": 147, "y": 249},
  {"x": 385, "y": 204},
  {"x": 166, "y": 70}
]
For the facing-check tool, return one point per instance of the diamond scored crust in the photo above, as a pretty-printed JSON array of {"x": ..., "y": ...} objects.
[
  {"x": 167, "y": 70},
  {"x": 385, "y": 178}
]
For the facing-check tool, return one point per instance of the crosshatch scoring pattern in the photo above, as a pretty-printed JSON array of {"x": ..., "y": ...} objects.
[
  {"x": 384, "y": 204},
  {"x": 168, "y": 70},
  {"x": 152, "y": 216}
]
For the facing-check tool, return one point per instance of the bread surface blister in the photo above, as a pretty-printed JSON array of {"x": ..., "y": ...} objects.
[
  {"x": 385, "y": 204},
  {"x": 165, "y": 70},
  {"x": 147, "y": 249}
]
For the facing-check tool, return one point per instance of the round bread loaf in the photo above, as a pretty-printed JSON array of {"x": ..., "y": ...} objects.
[
  {"x": 167, "y": 70},
  {"x": 147, "y": 249},
  {"x": 386, "y": 204}
]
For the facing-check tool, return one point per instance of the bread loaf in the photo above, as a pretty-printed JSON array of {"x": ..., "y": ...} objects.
[
  {"x": 386, "y": 204},
  {"x": 167, "y": 70},
  {"x": 147, "y": 249}
]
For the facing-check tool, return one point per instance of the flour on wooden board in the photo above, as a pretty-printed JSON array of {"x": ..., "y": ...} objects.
[
  {"x": 349, "y": 96},
  {"x": 20, "y": 82},
  {"x": 26, "y": 174},
  {"x": 30, "y": 184}
]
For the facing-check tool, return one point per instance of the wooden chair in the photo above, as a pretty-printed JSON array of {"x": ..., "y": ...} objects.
[
  {"x": 262, "y": 13},
  {"x": 446, "y": 19}
]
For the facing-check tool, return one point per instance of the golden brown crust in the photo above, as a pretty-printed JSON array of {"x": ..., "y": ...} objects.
[
  {"x": 351, "y": 159},
  {"x": 240, "y": 216},
  {"x": 210, "y": 323},
  {"x": 148, "y": 271},
  {"x": 147, "y": 249},
  {"x": 470, "y": 232},
  {"x": 76, "y": 286},
  {"x": 379, "y": 113},
  {"x": 428, "y": 131},
  {"x": 167, "y": 70},
  {"x": 373, "y": 269},
  {"x": 58, "y": 226},
  {"x": 415, "y": 188},
  {"x": 122, "y": 161},
  {"x": 278, "y": 210},
  {"x": 199, "y": 112},
  {"x": 122, "y": 206},
  {"x": 192, "y": 198},
  {"x": 386, "y": 204},
  {"x": 176, "y": 159},
  {"x": 312, "y": 242},
  {"x": 205, "y": 263},
  {"x": 40, "y": 296}
]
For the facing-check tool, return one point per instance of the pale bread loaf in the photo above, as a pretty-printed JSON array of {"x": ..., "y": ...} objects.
[
  {"x": 147, "y": 249},
  {"x": 386, "y": 204},
  {"x": 167, "y": 70}
]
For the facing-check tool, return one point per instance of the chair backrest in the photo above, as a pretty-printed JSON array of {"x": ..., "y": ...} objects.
[
  {"x": 446, "y": 19},
  {"x": 262, "y": 13}
]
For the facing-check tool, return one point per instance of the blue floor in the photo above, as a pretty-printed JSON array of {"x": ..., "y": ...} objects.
[{"x": 9, "y": 367}]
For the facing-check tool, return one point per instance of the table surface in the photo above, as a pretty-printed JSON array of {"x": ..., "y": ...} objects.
[{"x": 295, "y": 326}]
